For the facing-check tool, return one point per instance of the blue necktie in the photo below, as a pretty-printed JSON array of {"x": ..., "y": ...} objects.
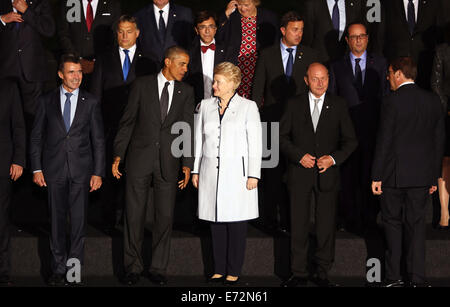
[
  {"x": 126, "y": 65},
  {"x": 411, "y": 16},
  {"x": 162, "y": 27},
  {"x": 290, "y": 63},
  {"x": 335, "y": 17},
  {"x": 66, "y": 112}
]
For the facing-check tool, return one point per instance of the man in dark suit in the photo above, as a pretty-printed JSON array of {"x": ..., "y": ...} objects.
[
  {"x": 407, "y": 165},
  {"x": 326, "y": 21},
  {"x": 87, "y": 30},
  {"x": 280, "y": 72},
  {"x": 22, "y": 55},
  {"x": 114, "y": 72},
  {"x": 155, "y": 104},
  {"x": 163, "y": 25},
  {"x": 205, "y": 53},
  {"x": 317, "y": 136},
  {"x": 67, "y": 153},
  {"x": 12, "y": 151},
  {"x": 360, "y": 78},
  {"x": 413, "y": 29}
]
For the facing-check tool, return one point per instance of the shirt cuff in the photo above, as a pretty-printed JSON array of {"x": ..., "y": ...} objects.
[
  {"x": 334, "y": 162},
  {"x": 2, "y": 21},
  {"x": 38, "y": 171},
  {"x": 253, "y": 177}
]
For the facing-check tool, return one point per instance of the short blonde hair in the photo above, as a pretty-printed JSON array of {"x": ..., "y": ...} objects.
[
  {"x": 230, "y": 71},
  {"x": 255, "y": 2}
]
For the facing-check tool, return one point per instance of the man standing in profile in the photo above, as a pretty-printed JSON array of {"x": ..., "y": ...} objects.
[
  {"x": 67, "y": 153},
  {"x": 155, "y": 104},
  {"x": 317, "y": 136},
  {"x": 406, "y": 168}
]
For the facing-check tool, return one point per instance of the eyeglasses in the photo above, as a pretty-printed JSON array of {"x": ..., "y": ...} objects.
[
  {"x": 203, "y": 27},
  {"x": 355, "y": 37}
]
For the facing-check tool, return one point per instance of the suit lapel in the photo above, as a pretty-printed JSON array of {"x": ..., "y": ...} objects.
[
  {"x": 323, "y": 7},
  {"x": 401, "y": 10},
  {"x": 170, "y": 21},
  {"x": 420, "y": 13},
  {"x": 219, "y": 54},
  {"x": 177, "y": 94},
  {"x": 57, "y": 109},
  {"x": 324, "y": 113},
  {"x": 297, "y": 63},
  {"x": 153, "y": 99},
  {"x": 306, "y": 110},
  {"x": 132, "y": 72},
  {"x": 80, "y": 107},
  {"x": 117, "y": 62}
]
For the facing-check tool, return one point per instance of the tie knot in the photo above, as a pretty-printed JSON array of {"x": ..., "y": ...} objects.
[
  {"x": 289, "y": 50},
  {"x": 167, "y": 84},
  {"x": 68, "y": 95},
  {"x": 357, "y": 60},
  {"x": 161, "y": 12},
  {"x": 338, "y": 1},
  {"x": 126, "y": 51},
  {"x": 89, "y": 1},
  {"x": 316, "y": 101}
]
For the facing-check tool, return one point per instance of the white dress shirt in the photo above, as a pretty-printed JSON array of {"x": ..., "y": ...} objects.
[
  {"x": 416, "y": 8},
  {"x": 342, "y": 16},
  {"x": 165, "y": 14},
  {"x": 405, "y": 83},
  {"x": 161, "y": 83},
  {"x": 208, "y": 69},
  {"x": 94, "y": 5},
  {"x": 319, "y": 106},
  {"x": 131, "y": 53}
]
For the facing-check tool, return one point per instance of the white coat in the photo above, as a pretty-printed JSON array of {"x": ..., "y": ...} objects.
[{"x": 227, "y": 153}]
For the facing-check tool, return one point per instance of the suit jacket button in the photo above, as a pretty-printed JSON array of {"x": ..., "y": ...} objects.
[{"x": 20, "y": 50}]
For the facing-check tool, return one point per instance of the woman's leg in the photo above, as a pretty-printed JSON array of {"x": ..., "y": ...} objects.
[
  {"x": 443, "y": 184},
  {"x": 219, "y": 243},
  {"x": 237, "y": 239}
]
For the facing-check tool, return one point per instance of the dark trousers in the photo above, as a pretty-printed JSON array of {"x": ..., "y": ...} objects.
[
  {"x": 66, "y": 197},
  {"x": 138, "y": 192},
  {"x": 325, "y": 228},
  {"x": 5, "y": 202},
  {"x": 229, "y": 240},
  {"x": 403, "y": 216}
]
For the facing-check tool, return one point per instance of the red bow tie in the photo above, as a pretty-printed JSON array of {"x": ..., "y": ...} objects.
[{"x": 212, "y": 47}]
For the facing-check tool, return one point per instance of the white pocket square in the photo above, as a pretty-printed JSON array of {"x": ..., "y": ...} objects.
[{"x": 106, "y": 14}]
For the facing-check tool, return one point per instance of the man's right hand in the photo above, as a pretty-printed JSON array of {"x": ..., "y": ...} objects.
[
  {"x": 308, "y": 161},
  {"x": 115, "y": 168},
  {"x": 38, "y": 178},
  {"x": 231, "y": 7},
  {"x": 12, "y": 17}
]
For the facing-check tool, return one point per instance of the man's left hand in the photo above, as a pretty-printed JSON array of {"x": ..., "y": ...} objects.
[
  {"x": 187, "y": 174},
  {"x": 324, "y": 163},
  {"x": 20, "y": 5},
  {"x": 15, "y": 171},
  {"x": 433, "y": 189},
  {"x": 96, "y": 183}
]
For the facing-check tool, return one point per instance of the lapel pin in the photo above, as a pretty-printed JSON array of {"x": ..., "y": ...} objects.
[
  {"x": 179, "y": 92},
  {"x": 139, "y": 55},
  {"x": 31, "y": 2},
  {"x": 82, "y": 98},
  {"x": 174, "y": 15},
  {"x": 327, "y": 107},
  {"x": 351, "y": 3}
]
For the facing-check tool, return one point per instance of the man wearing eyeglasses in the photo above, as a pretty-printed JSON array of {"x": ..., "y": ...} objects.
[
  {"x": 360, "y": 78},
  {"x": 205, "y": 54}
]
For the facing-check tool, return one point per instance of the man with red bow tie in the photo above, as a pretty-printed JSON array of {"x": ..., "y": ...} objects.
[{"x": 205, "y": 54}]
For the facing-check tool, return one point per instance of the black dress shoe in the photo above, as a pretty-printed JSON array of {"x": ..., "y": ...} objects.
[
  {"x": 211, "y": 280},
  {"x": 158, "y": 279},
  {"x": 389, "y": 283},
  {"x": 323, "y": 282},
  {"x": 413, "y": 284},
  {"x": 75, "y": 284},
  {"x": 295, "y": 281},
  {"x": 5, "y": 281},
  {"x": 56, "y": 280},
  {"x": 131, "y": 279},
  {"x": 227, "y": 282},
  {"x": 442, "y": 228}
]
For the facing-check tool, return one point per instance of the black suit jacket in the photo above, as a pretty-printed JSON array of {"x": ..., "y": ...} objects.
[
  {"x": 108, "y": 85},
  {"x": 230, "y": 32},
  {"x": 12, "y": 128},
  {"x": 270, "y": 85},
  {"x": 74, "y": 36},
  {"x": 83, "y": 147},
  {"x": 319, "y": 33},
  {"x": 179, "y": 30},
  {"x": 410, "y": 142},
  {"x": 141, "y": 135},
  {"x": 21, "y": 50},
  {"x": 195, "y": 70},
  {"x": 364, "y": 110},
  {"x": 334, "y": 136}
]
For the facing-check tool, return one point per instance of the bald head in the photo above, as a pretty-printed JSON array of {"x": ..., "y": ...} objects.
[{"x": 317, "y": 79}]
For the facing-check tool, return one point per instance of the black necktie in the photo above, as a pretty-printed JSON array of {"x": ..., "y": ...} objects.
[
  {"x": 358, "y": 77},
  {"x": 162, "y": 27},
  {"x": 411, "y": 16},
  {"x": 164, "y": 101}
]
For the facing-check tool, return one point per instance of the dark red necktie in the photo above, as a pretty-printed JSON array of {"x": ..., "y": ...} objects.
[
  {"x": 212, "y": 47},
  {"x": 89, "y": 16}
]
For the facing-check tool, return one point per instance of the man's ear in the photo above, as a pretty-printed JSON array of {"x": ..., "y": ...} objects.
[
  {"x": 306, "y": 80},
  {"x": 60, "y": 74},
  {"x": 283, "y": 31},
  {"x": 137, "y": 33}
]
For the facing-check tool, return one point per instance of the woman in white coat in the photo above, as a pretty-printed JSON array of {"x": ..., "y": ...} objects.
[{"x": 227, "y": 167}]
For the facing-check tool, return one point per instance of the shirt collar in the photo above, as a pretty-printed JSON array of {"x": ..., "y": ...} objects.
[
  {"x": 405, "y": 83},
  {"x": 131, "y": 49},
  {"x": 63, "y": 91},
  {"x": 203, "y": 44},
  {"x": 163, "y": 79},
  {"x": 165, "y": 9},
  {"x": 312, "y": 97},
  {"x": 363, "y": 57},
  {"x": 284, "y": 47}
]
